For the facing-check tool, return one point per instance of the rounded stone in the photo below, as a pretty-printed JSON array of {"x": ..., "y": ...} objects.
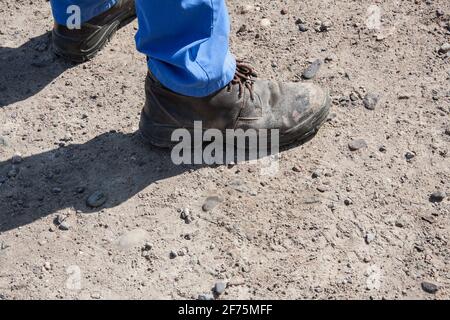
[
  {"x": 97, "y": 199},
  {"x": 211, "y": 203},
  {"x": 357, "y": 144},
  {"x": 444, "y": 48},
  {"x": 303, "y": 27},
  {"x": 312, "y": 70},
  {"x": 206, "y": 297},
  {"x": 64, "y": 226},
  {"x": 219, "y": 288},
  {"x": 429, "y": 287},
  {"x": 173, "y": 254},
  {"x": 371, "y": 100},
  {"x": 437, "y": 196}
]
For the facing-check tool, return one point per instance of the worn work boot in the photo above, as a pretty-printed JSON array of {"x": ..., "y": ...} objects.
[
  {"x": 80, "y": 45},
  {"x": 297, "y": 110}
]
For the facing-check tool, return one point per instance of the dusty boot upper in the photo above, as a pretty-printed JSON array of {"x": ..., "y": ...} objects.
[
  {"x": 296, "y": 109},
  {"x": 82, "y": 44}
]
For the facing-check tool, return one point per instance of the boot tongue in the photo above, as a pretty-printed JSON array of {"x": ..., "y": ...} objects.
[{"x": 251, "y": 109}]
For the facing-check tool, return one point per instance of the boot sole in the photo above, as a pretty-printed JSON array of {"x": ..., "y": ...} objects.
[
  {"x": 160, "y": 135},
  {"x": 104, "y": 37}
]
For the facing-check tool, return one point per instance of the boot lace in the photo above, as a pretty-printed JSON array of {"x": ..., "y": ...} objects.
[{"x": 243, "y": 77}]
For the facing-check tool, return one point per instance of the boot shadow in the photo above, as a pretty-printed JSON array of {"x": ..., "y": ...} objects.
[
  {"x": 26, "y": 70},
  {"x": 116, "y": 164}
]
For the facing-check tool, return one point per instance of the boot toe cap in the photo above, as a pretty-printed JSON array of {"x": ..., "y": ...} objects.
[{"x": 306, "y": 112}]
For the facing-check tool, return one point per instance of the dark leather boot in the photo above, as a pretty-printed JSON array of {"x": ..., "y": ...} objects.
[
  {"x": 79, "y": 45},
  {"x": 297, "y": 110}
]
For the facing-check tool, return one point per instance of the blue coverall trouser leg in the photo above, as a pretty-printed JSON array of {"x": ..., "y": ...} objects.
[{"x": 186, "y": 41}]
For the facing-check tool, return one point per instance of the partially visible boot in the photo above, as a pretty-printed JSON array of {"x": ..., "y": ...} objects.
[
  {"x": 297, "y": 110},
  {"x": 80, "y": 45}
]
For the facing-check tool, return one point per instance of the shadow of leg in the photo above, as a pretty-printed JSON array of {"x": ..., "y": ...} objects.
[{"x": 118, "y": 165}]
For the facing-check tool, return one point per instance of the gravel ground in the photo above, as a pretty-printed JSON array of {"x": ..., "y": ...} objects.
[{"x": 360, "y": 212}]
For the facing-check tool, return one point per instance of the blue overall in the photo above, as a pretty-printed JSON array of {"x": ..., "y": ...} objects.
[{"x": 186, "y": 41}]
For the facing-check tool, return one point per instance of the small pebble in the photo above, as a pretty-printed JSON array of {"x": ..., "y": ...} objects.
[
  {"x": 47, "y": 266},
  {"x": 447, "y": 131},
  {"x": 371, "y": 100},
  {"x": 247, "y": 9},
  {"x": 354, "y": 97},
  {"x": 219, "y": 288},
  {"x": 429, "y": 287},
  {"x": 323, "y": 188},
  {"x": 97, "y": 199},
  {"x": 189, "y": 219},
  {"x": 61, "y": 223},
  {"x": 303, "y": 27},
  {"x": 80, "y": 190},
  {"x": 439, "y": 12},
  {"x": 357, "y": 144},
  {"x": 242, "y": 29},
  {"x": 3, "y": 246},
  {"x": 399, "y": 224},
  {"x": 410, "y": 155},
  {"x": 188, "y": 237},
  {"x": 56, "y": 190},
  {"x": 323, "y": 26},
  {"x": 185, "y": 213},
  {"x": 437, "y": 196},
  {"x": 205, "y": 297},
  {"x": 64, "y": 226},
  {"x": 331, "y": 116},
  {"x": 147, "y": 246},
  {"x": 173, "y": 254},
  {"x": 326, "y": 26},
  {"x": 370, "y": 237},
  {"x": 312, "y": 70},
  {"x": 182, "y": 252},
  {"x": 96, "y": 295},
  {"x": 211, "y": 203},
  {"x": 444, "y": 48},
  {"x": 330, "y": 57},
  {"x": 316, "y": 174}
]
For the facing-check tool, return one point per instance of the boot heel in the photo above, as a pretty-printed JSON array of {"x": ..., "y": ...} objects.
[{"x": 155, "y": 134}]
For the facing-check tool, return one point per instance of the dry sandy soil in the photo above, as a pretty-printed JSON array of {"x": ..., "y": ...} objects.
[{"x": 333, "y": 223}]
